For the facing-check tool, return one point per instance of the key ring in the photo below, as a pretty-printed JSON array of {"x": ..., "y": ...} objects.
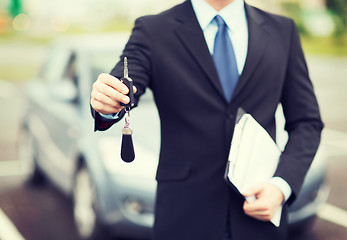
[{"x": 127, "y": 117}]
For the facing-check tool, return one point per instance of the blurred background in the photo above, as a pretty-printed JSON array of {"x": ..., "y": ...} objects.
[{"x": 29, "y": 27}]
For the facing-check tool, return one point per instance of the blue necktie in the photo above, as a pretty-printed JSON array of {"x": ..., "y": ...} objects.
[{"x": 224, "y": 59}]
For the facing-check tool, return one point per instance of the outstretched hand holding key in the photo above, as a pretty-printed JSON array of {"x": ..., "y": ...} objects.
[{"x": 110, "y": 95}]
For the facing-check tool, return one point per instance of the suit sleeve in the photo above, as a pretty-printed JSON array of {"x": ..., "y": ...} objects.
[
  {"x": 138, "y": 52},
  {"x": 101, "y": 123},
  {"x": 303, "y": 121}
]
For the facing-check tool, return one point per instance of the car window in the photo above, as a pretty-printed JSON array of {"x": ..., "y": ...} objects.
[
  {"x": 70, "y": 73},
  {"x": 55, "y": 64},
  {"x": 65, "y": 89}
]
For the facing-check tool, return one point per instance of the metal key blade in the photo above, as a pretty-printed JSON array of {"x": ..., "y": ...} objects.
[{"x": 126, "y": 74}]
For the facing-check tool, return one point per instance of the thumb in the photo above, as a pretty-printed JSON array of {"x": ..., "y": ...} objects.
[{"x": 253, "y": 190}]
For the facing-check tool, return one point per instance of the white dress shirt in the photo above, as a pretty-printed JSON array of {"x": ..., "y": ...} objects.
[{"x": 235, "y": 18}]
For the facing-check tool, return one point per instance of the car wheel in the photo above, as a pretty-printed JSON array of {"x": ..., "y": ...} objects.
[
  {"x": 27, "y": 158},
  {"x": 85, "y": 215}
]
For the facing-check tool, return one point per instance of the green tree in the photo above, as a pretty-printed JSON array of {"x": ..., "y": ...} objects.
[
  {"x": 339, "y": 9},
  {"x": 15, "y": 7}
]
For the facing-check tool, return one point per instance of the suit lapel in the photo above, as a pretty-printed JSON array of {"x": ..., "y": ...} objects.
[
  {"x": 191, "y": 35},
  {"x": 257, "y": 43}
]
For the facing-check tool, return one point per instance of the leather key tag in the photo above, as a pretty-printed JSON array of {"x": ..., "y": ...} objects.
[{"x": 127, "y": 147}]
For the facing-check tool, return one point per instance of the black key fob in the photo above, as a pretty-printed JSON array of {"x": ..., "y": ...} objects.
[
  {"x": 127, "y": 147},
  {"x": 129, "y": 83}
]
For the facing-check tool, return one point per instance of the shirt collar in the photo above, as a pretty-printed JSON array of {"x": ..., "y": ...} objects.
[{"x": 232, "y": 14}]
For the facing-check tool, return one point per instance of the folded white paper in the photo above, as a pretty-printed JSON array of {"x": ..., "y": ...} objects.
[{"x": 253, "y": 157}]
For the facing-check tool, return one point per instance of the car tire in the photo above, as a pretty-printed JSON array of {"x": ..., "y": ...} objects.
[
  {"x": 27, "y": 157},
  {"x": 87, "y": 222}
]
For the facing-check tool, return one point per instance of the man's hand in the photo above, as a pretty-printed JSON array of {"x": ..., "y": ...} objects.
[
  {"x": 268, "y": 199},
  {"x": 108, "y": 93}
]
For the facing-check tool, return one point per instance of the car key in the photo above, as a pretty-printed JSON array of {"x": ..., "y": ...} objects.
[
  {"x": 127, "y": 147},
  {"x": 129, "y": 83}
]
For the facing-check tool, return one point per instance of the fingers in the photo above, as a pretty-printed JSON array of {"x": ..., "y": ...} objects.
[
  {"x": 105, "y": 98},
  {"x": 254, "y": 190},
  {"x": 268, "y": 199},
  {"x": 108, "y": 93},
  {"x": 117, "y": 85},
  {"x": 113, "y": 82},
  {"x": 256, "y": 206},
  {"x": 100, "y": 89},
  {"x": 104, "y": 108},
  {"x": 259, "y": 209}
]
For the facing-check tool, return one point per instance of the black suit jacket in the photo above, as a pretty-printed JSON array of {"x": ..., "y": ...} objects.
[{"x": 168, "y": 53}]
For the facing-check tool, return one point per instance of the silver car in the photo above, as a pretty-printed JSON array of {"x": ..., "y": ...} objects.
[{"x": 110, "y": 197}]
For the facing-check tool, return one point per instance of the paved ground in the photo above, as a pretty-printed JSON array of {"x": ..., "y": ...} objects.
[{"x": 43, "y": 213}]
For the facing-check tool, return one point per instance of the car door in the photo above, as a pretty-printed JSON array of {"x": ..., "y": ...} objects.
[{"x": 55, "y": 114}]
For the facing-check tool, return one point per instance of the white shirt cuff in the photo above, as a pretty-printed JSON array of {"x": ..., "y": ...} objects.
[
  {"x": 283, "y": 186},
  {"x": 112, "y": 116}
]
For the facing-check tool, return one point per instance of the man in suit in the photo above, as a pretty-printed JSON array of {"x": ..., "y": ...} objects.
[{"x": 178, "y": 55}]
